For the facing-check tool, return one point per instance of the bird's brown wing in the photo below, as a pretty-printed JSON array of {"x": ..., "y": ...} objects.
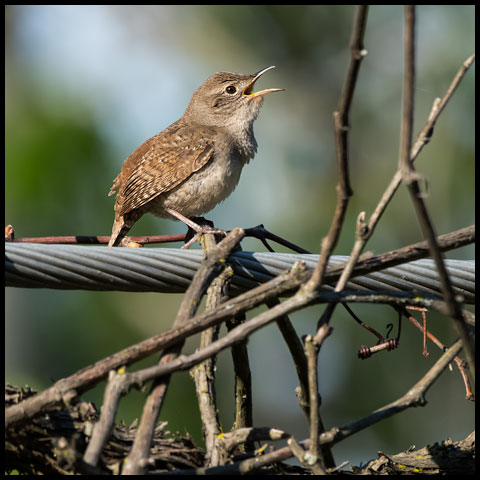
[{"x": 160, "y": 164}]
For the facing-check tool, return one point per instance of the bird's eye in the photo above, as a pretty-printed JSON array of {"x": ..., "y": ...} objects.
[{"x": 231, "y": 90}]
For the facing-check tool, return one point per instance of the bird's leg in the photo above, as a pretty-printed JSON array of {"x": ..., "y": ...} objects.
[
  {"x": 198, "y": 229},
  {"x": 194, "y": 226}
]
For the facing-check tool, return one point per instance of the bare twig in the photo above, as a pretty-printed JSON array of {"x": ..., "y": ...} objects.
[
  {"x": 405, "y": 164},
  {"x": 460, "y": 364},
  {"x": 249, "y": 327},
  {"x": 344, "y": 190},
  {"x": 243, "y": 379},
  {"x": 103, "y": 428},
  {"x": 240, "y": 436},
  {"x": 422, "y": 139},
  {"x": 365, "y": 230},
  {"x": 342, "y": 126},
  {"x": 297, "y": 353},
  {"x": 214, "y": 261},
  {"x": 63, "y": 391},
  {"x": 312, "y": 348},
  {"x": 411, "y": 179},
  {"x": 204, "y": 373},
  {"x": 414, "y": 397}
]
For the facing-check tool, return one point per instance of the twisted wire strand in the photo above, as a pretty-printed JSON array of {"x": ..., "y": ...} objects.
[{"x": 170, "y": 270}]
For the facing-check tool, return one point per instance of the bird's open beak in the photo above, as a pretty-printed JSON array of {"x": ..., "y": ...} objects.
[{"x": 248, "y": 90}]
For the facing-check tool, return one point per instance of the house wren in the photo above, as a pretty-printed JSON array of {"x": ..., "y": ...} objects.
[{"x": 196, "y": 162}]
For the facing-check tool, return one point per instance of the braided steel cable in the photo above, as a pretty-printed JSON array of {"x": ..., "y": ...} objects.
[{"x": 171, "y": 270}]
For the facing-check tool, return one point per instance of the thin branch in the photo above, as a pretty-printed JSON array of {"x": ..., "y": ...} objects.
[
  {"x": 406, "y": 133},
  {"x": 460, "y": 364},
  {"x": 242, "y": 379},
  {"x": 246, "y": 329},
  {"x": 411, "y": 179},
  {"x": 342, "y": 126},
  {"x": 422, "y": 139},
  {"x": 365, "y": 230},
  {"x": 204, "y": 373},
  {"x": 239, "y": 436},
  {"x": 414, "y": 397},
  {"x": 214, "y": 261},
  {"x": 66, "y": 389},
  {"x": 103, "y": 428},
  {"x": 323, "y": 457},
  {"x": 297, "y": 352},
  {"x": 344, "y": 192}
]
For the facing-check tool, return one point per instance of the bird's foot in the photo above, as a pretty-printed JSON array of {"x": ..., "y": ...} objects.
[
  {"x": 200, "y": 226},
  {"x": 197, "y": 226}
]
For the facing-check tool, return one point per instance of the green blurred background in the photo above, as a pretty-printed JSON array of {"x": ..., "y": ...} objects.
[{"x": 85, "y": 85}]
